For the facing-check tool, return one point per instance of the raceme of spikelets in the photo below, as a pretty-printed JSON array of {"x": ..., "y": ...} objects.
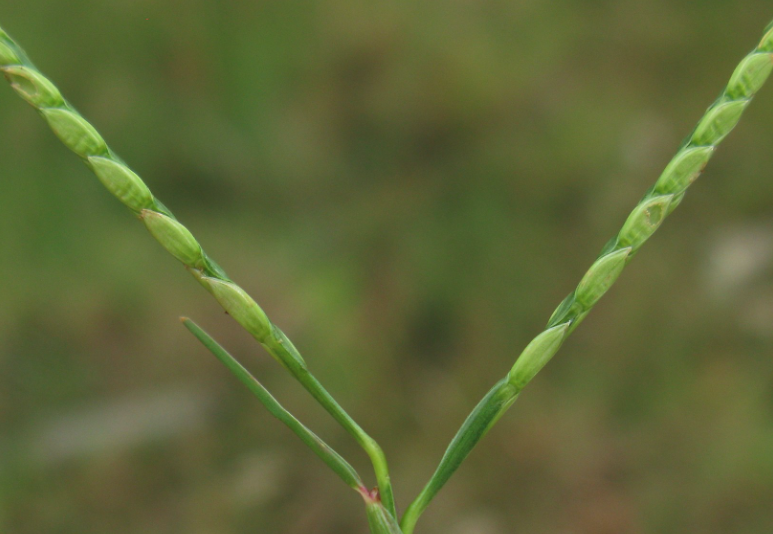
[
  {"x": 83, "y": 139},
  {"x": 661, "y": 199},
  {"x": 668, "y": 191}
]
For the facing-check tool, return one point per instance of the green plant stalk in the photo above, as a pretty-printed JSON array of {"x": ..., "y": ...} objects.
[
  {"x": 379, "y": 519},
  {"x": 334, "y": 460},
  {"x": 659, "y": 201},
  {"x": 83, "y": 139}
]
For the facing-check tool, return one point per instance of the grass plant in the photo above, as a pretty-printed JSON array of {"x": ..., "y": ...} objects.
[{"x": 646, "y": 217}]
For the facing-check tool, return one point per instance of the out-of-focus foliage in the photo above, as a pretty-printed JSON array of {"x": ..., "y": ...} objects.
[{"x": 408, "y": 189}]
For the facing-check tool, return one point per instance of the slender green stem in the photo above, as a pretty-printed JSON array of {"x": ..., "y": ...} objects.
[
  {"x": 83, "y": 139},
  {"x": 281, "y": 348},
  {"x": 720, "y": 118},
  {"x": 380, "y": 520},
  {"x": 477, "y": 424},
  {"x": 334, "y": 460}
]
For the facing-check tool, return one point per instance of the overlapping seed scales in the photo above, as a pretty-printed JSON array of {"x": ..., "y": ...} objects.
[
  {"x": 240, "y": 306},
  {"x": 567, "y": 310},
  {"x": 75, "y": 132},
  {"x": 8, "y": 55},
  {"x": 600, "y": 277},
  {"x": 33, "y": 87},
  {"x": 766, "y": 45},
  {"x": 718, "y": 121},
  {"x": 675, "y": 201},
  {"x": 643, "y": 221},
  {"x": 536, "y": 354},
  {"x": 683, "y": 169},
  {"x": 174, "y": 237},
  {"x": 122, "y": 183},
  {"x": 750, "y": 75}
]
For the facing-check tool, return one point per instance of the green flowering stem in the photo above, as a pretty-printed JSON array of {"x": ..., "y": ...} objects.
[
  {"x": 477, "y": 424},
  {"x": 83, "y": 139},
  {"x": 685, "y": 167},
  {"x": 340, "y": 466}
]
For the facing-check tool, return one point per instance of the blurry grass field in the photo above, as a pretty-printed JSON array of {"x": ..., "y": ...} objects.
[{"x": 409, "y": 191}]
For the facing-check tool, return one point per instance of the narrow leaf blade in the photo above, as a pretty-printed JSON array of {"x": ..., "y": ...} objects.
[{"x": 334, "y": 460}]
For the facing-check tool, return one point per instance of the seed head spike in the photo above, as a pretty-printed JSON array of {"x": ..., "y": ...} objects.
[{"x": 667, "y": 193}]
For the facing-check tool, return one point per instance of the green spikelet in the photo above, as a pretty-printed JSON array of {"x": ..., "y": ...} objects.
[
  {"x": 600, "y": 277},
  {"x": 33, "y": 87},
  {"x": 718, "y": 122},
  {"x": 75, "y": 132},
  {"x": 240, "y": 306},
  {"x": 749, "y": 76},
  {"x": 123, "y": 183},
  {"x": 174, "y": 237},
  {"x": 643, "y": 221},
  {"x": 683, "y": 170},
  {"x": 536, "y": 355}
]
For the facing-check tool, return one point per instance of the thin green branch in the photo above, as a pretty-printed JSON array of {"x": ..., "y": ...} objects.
[
  {"x": 334, "y": 460},
  {"x": 720, "y": 118},
  {"x": 83, "y": 139}
]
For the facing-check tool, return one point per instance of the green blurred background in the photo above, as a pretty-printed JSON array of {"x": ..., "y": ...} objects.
[{"x": 409, "y": 189}]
